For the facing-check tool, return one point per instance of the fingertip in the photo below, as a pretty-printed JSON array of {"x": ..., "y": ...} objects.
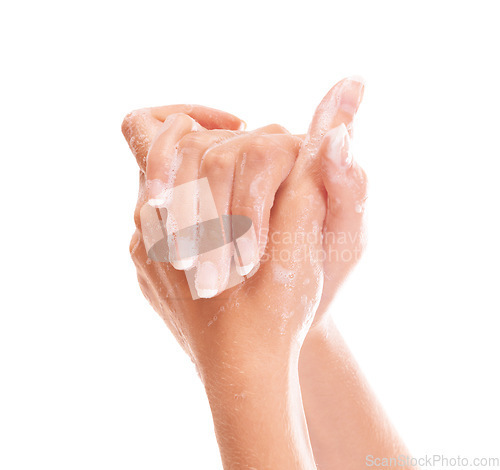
[
  {"x": 158, "y": 193},
  {"x": 206, "y": 280},
  {"x": 183, "y": 264},
  {"x": 357, "y": 78},
  {"x": 339, "y": 105},
  {"x": 351, "y": 94}
]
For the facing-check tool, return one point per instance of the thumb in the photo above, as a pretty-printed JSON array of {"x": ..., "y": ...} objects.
[
  {"x": 344, "y": 179},
  {"x": 303, "y": 192},
  {"x": 338, "y": 106},
  {"x": 345, "y": 183}
]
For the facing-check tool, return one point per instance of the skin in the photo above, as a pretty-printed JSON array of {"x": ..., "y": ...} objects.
[{"x": 250, "y": 342}]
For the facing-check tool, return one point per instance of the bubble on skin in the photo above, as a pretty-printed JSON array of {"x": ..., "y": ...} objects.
[
  {"x": 359, "y": 208},
  {"x": 243, "y": 162},
  {"x": 283, "y": 275},
  {"x": 212, "y": 321},
  {"x": 148, "y": 261},
  {"x": 285, "y": 316},
  {"x": 256, "y": 191},
  {"x": 171, "y": 173},
  {"x": 164, "y": 187}
]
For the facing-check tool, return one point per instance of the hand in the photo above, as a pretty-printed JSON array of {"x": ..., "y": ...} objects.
[
  {"x": 302, "y": 205},
  {"x": 244, "y": 389},
  {"x": 249, "y": 156},
  {"x": 343, "y": 226}
]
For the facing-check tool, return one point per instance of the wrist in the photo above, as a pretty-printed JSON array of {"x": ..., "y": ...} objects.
[
  {"x": 235, "y": 343},
  {"x": 246, "y": 363},
  {"x": 258, "y": 414}
]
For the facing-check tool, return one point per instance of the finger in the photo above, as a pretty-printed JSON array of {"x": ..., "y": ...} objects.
[
  {"x": 139, "y": 129},
  {"x": 262, "y": 166},
  {"x": 184, "y": 206},
  {"x": 302, "y": 200},
  {"x": 338, "y": 106},
  {"x": 163, "y": 161},
  {"x": 148, "y": 223},
  {"x": 141, "y": 126},
  {"x": 346, "y": 186},
  {"x": 209, "y": 118},
  {"x": 344, "y": 179},
  {"x": 192, "y": 147},
  {"x": 213, "y": 267}
]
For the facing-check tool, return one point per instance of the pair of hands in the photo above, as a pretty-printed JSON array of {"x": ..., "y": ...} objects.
[{"x": 304, "y": 196}]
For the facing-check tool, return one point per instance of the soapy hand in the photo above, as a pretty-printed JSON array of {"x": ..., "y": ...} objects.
[{"x": 304, "y": 198}]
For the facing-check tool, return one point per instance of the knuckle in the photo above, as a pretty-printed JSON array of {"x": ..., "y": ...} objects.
[
  {"x": 260, "y": 141},
  {"x": 273, "y": 149},
  {"x": 180, "y": 120},
  {"x": 277, "y": 129},
  {"x": 217, "y": 161},
  {"x": 273, "y": 129},
  {"x": 132, "y": 121},
  {"x": 194, "y": 142},
  {"x": 260, "y": 148},
  {"x": 201, "y": 141}
]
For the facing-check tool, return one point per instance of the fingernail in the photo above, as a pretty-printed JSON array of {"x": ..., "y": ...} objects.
[
  {"x": 181, "y": 249},
  {"x": 178, "y": 253},
  {"x": 183, "y": 253},
  {"x": 338, "y": 150},
  {"x": 351, "y": 94},
  {"x": 357, "y": 78},
  {"x": 246, "y": 254},
  {"x": 183, "y": 264},
  {"x": 158, "y": 193},
  {"x": 206, "y": 280}
]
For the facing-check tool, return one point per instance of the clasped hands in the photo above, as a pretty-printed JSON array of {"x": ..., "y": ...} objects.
[{"x": 246, "y": 340}]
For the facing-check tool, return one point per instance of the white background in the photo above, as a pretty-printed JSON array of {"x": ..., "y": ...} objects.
[{"x": 90, "y": 377}]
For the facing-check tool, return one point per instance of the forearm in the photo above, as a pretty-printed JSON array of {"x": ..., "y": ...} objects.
[
  {"x": 345, "y": 421},
  {"x": 257, "y": 410}
]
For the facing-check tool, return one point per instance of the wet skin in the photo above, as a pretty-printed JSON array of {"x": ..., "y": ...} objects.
[{"x": 284, "y": 390}]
